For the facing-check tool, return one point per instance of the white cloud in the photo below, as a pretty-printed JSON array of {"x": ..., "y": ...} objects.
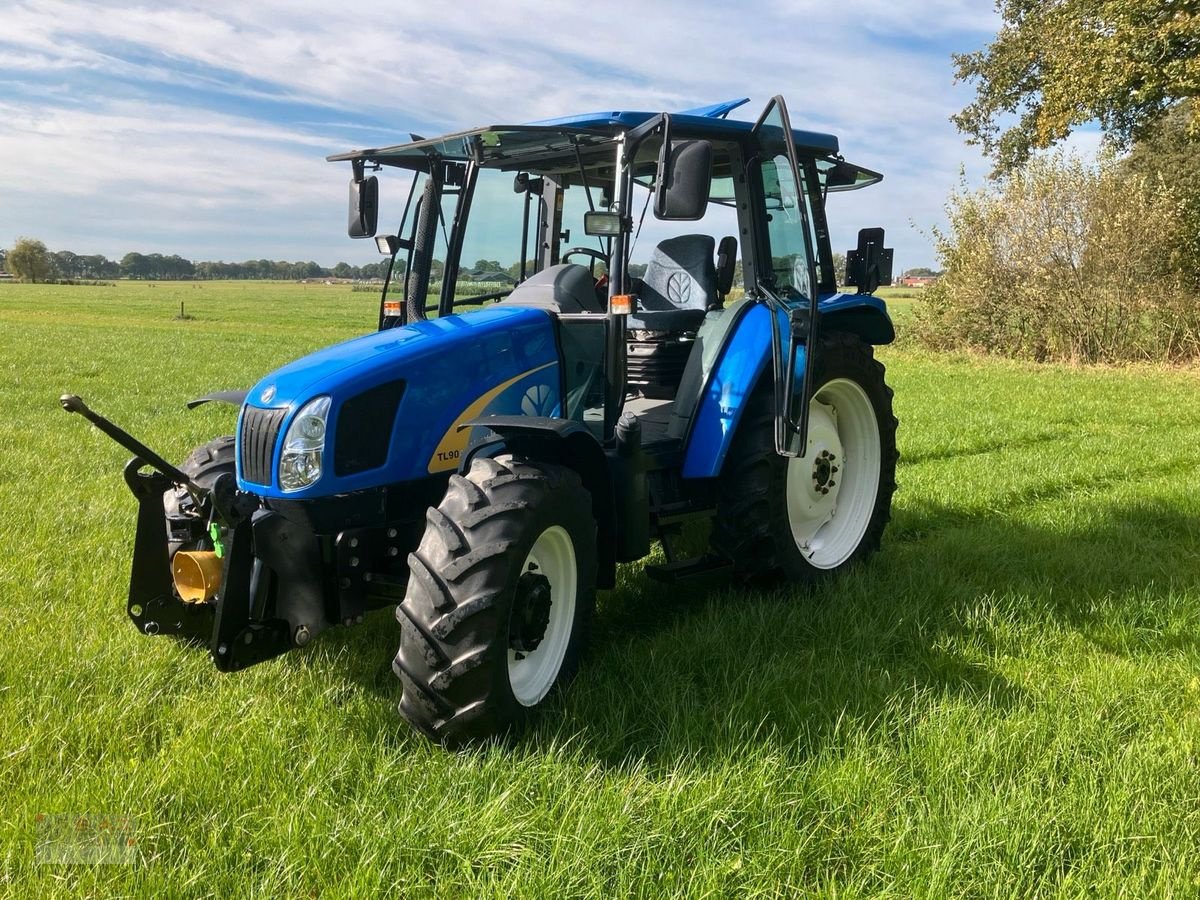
[{"x": 855, "y": 69}]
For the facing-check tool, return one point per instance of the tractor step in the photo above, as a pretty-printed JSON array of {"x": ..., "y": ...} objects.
[{"x": 696, "y": 567}]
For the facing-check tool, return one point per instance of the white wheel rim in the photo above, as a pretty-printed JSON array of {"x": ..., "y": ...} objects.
[
  {"x": 533, "y": 674},
  {"x": 828, "y": 510}
]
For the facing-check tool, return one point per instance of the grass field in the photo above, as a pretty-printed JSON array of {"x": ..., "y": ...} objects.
[{"x": 1005, "y": 702}]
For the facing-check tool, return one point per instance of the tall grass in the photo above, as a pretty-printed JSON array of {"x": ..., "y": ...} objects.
[{"x": 1004, "y": 703}]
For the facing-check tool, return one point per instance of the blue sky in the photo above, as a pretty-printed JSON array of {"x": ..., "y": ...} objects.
[{"x": 202, "y": 129}]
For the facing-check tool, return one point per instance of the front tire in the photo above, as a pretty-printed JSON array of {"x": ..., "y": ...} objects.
[
  {"x": 499, "y": 597},
  {"x": 185, "y": 521},
  {"x": 810, "y": 517}
]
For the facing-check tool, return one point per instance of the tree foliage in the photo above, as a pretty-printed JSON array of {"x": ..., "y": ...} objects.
[
  {"x": 29, "y": 260},
  {"x": 839, "y": 268},
  {"x": 1067, "y": 261},
  {"x": 1057, "y": 64},
  {"x": 65, "y": 264},
  {"x": 1169, "y": 156}
]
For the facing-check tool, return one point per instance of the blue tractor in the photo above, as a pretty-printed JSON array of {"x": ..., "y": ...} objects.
[{"x": 485, "y": 471}]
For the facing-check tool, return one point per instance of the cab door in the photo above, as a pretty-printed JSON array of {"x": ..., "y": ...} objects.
[{"x": 786, "y": 272}]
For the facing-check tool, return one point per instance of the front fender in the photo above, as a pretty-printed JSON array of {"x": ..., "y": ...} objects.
[{"x": 565, "y": 442}]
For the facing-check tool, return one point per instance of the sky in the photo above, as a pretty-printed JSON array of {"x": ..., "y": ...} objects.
[{"x": 201, "y": 129}]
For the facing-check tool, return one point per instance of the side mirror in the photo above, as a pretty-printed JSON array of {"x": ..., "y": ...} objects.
[
  {"x": 364, "y": 207},
  {"x": 524, "y": 183},
  {"x": 870, "y": 265},
  {"x": 683, "y": 181}
]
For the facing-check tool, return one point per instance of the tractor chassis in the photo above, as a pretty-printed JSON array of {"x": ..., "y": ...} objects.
[
  {"x": 293, "y": 569},
  {"x": 282, "y": 582}
]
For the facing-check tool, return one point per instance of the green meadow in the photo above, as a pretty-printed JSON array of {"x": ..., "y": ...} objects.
[{"x": 1004, "y": 703}]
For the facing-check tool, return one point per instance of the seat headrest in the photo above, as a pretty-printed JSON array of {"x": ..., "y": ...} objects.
[{"x": 681, "y": 275}]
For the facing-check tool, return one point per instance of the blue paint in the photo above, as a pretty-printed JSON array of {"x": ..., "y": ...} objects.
[
  {"x": 716, "y": 110},
  {"x": 743, "y": 359},
  {"x": 698, "y": 121},
  {"x": 746, "y": 355},
  {"x": 446, "y": 363}
]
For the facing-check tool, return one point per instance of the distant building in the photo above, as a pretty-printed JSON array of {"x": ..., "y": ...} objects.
[
  {"x": 918, "y": 281},
  {"x": 494, "y": 276}
]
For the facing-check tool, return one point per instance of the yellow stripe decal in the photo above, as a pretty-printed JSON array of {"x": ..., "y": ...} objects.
[{"x": 454, "y": 441}]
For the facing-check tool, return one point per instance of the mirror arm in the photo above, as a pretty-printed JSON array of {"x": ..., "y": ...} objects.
[{"x": 635, "y": 136}]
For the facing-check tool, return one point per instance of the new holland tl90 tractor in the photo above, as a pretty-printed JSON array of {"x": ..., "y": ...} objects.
[{"x": 485, "y": 472}]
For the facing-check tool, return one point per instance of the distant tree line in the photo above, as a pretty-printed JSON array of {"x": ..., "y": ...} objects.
[{"x": 30, "y": 260}]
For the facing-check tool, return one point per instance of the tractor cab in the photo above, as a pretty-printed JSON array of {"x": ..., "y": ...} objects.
[{"x": 643, "y": 234}]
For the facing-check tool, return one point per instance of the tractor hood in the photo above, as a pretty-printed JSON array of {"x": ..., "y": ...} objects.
[
  {"x": 398, "y": 393},
  {"x": 380, "y": 356}
]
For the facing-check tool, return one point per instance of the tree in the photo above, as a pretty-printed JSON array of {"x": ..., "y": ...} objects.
[
  {"x": 66, "y": 263},
  {"x": 1058, "y": 64},
  {"x": 98, "y": 266},
  {"x": 1064, "y": 260},
  {"x": 29, "y": 260},
  {"x": 839, "y": 267},
  {"x": 133, "y": 265},
  {"x": 1168, "y": 156}
]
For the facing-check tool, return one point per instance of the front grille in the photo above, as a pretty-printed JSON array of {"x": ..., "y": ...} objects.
[{"x": 260, "y": 431}]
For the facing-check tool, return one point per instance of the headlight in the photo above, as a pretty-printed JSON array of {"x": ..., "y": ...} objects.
[{"x": 303, "y": 446}]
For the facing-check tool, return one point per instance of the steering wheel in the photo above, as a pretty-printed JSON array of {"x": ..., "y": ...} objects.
[{"x": 596, "y": 256}]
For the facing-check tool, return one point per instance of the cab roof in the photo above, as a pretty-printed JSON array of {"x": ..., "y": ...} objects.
[
  {"x": 522, "y": 146},
  {"x": 703, "y": 121}
]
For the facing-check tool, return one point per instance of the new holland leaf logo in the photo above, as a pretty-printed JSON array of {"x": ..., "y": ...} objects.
[{"x": 679, "y": 288}]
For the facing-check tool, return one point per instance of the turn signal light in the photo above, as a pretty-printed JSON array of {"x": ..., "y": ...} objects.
[
  {"x": 391, "y": 307},
  {"x": 621, "y": 304}
]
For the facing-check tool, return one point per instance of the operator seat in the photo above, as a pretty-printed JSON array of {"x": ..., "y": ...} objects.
[
  {"x": 679, "y": 287},
  {"x": 681, "y": 290}
]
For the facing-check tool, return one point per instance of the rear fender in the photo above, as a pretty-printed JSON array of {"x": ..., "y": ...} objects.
[{"x": 744, "y": 358}]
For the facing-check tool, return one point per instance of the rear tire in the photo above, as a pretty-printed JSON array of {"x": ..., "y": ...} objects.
[
  {"x": 480, "y": 647},
  {"x": 808, "y": 518}
]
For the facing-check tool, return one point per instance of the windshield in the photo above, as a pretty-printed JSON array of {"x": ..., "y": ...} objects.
[{"x": 490, "y": 260}]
